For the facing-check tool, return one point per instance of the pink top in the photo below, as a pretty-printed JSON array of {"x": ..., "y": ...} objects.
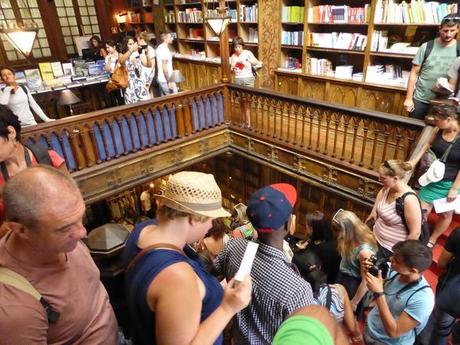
[
  {"x": 389, "y": 228},
  {"x": 72, "y": 288}
]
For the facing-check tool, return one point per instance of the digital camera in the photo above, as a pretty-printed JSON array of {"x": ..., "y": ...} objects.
[{"x": 378, "y": 265}]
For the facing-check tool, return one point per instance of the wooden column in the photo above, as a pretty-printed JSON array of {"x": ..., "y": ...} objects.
[{"x": 224, "y": 52}]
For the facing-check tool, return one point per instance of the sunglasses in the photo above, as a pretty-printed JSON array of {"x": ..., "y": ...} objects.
[
  {"x": 335, "y": 218},
  {"x": 451, "y": 20},
  {"x": 387, "y": 165}
]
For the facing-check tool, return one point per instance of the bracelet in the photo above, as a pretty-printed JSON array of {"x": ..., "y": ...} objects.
[{"x": 378, "y": 294}]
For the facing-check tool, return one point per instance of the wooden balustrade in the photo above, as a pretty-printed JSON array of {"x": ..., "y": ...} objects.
[
  {"x": 93, "y": 138},
  {"x": 359, "y": 138}
]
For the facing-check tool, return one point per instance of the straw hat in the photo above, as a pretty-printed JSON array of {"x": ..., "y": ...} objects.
[{"x": 194, "y": 192}]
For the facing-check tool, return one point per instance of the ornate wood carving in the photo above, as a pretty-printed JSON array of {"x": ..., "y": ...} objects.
[{"x": 269, "y": 41}]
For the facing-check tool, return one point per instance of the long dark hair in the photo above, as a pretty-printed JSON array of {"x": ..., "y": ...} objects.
[
  {"x": 124, "y": 43},
  {"x": 310, "y": 268},
  {"x": 321, "y": 227}
]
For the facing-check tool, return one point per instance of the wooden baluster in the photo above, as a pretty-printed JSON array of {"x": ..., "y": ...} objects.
[
  {"x": 258, "y": 110},
  {"x": 93, "y": 140},
  {"x": 265, "y": 116},
  {"x": 243, "y": 121},
  {"x": 77, "y": 149},
  {"x": 336, "y": 117},
  {"x": 398, "y": 137},
  {"x": 364, "y": 141},
  {"x": 104, "y": 140},
  {"x": 310, "y": 114},
  {"x": 290, "y": 109},
  {"x": 119, "y": 121},
  {"x": 346, "y": 119},
  {"x": 163, "y": 124},
  {"x": 211, "y": 114},
  {"x": 276, "y": 105},
  {"x": 88, "y": 145},
  {"x": 374, "y": 144},
  {"x": 320, "y": 115},
  {"x": 386, "y": 137},
  {"x": 282, "y": 107},
  {"x": 138, "y": 116},
  {"x": 146, "y": 118},
  {"x": 172, "y": 119},
  {"x": 180, "y": 120},
  {"x": 355, "y": 121},
  {"x": 295, "y": 111},
  {"x": 411, "y": 137},
  {"x": 304, "y": 112},
  {"x": 188, "y": 117},
  {"x": 269, "y": 117},
  {"x": 328, "y": 122}
]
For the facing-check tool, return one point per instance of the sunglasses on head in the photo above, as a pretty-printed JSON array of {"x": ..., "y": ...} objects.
[
  {"x": 451, "y": 20},
  {"x": 335, "y": 218},
  {"x": 387, "y": 165}
]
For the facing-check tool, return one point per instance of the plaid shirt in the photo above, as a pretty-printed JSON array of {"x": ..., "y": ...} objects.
[{"x": 276, "y": 291}]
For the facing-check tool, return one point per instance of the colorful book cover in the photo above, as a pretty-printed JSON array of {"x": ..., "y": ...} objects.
[
  {"x": 34, "y": 80},
  {"x": 57, "y": 69},
  {"x": 46, "y": 70},
  {"x": 67, "y": 68},
  {"x": 20, "y": 77}
]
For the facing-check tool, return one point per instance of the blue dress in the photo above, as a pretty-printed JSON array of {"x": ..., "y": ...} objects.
[{"x": 140, "y": 276}]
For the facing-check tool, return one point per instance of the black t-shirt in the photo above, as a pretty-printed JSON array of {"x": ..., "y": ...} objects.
[
  {"x": 453, "y": 246},
  {"x": 440, "y": 146}
]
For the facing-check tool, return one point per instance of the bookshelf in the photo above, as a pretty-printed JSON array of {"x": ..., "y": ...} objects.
[
  {"x": 196, "y": 40},
  {"x": 140, "y": 13},
  {"x": 367, "y": 41}
]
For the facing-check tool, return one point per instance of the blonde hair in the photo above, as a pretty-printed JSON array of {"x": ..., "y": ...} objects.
[
  {"x": 396, "y": 167},
  {"x": 351, "y": 232},
  {"x": 166, "y": 213}
]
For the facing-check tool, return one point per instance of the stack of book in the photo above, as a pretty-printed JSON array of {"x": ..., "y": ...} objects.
[
  {"x": 319, "y": 67},
  {"x": 292, "y": 14},
  {"x": 344, "y": 72},
  {"x": 253, "y": 35},
  {"x": 293, "y": 63},
  {"x": 294, "y": 38},
  {"x": 341, "y": 40},
  {"x": 387, "y": 75}
]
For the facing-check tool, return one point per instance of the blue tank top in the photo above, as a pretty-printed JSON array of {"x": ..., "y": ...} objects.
[{"x": 140, "y": 276}]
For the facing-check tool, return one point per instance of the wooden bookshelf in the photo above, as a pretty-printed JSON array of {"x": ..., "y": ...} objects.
[
  {"x": 195, "y": 39},
  {"x": 140, "y": 14}
]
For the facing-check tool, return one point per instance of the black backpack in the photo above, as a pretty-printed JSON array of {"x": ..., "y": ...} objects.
[
  {"x": 40, "y": 152},
  {"x": 425, "y": 228}
]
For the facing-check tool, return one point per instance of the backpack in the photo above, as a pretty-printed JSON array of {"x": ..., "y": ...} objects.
[
  {"x": 425, "y": 228},
  {"x": 429, "y": 48},
  {"x": 40, "y": 153}
]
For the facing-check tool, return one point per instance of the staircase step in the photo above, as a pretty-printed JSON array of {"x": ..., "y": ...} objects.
[{"x": 432, "y": 218}]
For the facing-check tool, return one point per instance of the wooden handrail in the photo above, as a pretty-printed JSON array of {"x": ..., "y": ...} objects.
[
  {"x": 358, "y": 138},
  {"x": 89, "y": 139}
]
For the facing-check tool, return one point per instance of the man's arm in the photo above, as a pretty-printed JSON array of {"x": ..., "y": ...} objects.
[
  {"x": 393, "y": 327},
  {"x": 409, "y": 101}
]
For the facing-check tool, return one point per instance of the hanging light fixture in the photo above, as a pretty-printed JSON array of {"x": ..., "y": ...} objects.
[
  {"x": 218, "y": 18},
  {"x": 21, "y": 37}
]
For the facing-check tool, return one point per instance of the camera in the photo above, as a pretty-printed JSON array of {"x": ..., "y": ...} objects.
[{"x": 378, "y": 265}]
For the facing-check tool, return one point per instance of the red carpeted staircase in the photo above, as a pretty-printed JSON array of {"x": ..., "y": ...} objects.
[{"x": 433, "y": 273}]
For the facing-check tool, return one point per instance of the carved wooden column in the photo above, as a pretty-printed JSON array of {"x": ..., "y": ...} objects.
[
  {"x": 77, "y": 149},
  {"x": 86, "y": 137},
  {"x": 224, "y": 52}
]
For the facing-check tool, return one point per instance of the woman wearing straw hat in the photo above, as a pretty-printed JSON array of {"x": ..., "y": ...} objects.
[{"x": 172, "y": 299}]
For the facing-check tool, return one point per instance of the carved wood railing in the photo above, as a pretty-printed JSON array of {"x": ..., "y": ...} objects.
[
  {"x": 93, "y": 138},
  {"x": 359, "y": 139}
]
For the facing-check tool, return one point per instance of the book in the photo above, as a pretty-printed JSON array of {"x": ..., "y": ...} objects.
[
  {"x": 34, "y": 80},
  {"x": 20, "y": 77},
  {"x": 57, "y": 69},
  {"x": 46, "y": 71},
  {"x": 67, "y": 69}
]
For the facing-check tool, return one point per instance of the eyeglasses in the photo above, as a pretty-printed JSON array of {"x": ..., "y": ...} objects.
[
  {"x": 450, "y": 20},
  {"x": 336, "y": 216}
]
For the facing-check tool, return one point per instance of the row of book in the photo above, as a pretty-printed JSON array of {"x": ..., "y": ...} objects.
[
  {"x": 292, "y": 14},
  {"x": 338, "y": 40},
  {"x": 249, "y": 13},
  {"x": 170, "y": 17},
  {"x": 413, "y": 12},
  {"x": 390, "y": 74},
  {"x": 339, "y": 14},
  {"x": 294, "y": 38},
  {"x": 190, "y": 15},
  {"x": 53, "y": 74}
]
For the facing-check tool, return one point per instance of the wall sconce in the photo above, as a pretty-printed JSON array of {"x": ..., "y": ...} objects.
[
  {"x": 67, "y": 97},
  {"x": 121, "y": 17},
  {"x": 22, "y": 37}
]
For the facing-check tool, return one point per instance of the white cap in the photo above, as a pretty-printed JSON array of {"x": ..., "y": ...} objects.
[{"x": 434, "y": 173}]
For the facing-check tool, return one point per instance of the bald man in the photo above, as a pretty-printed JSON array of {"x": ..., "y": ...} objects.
[{"x": 44, "y": 210}]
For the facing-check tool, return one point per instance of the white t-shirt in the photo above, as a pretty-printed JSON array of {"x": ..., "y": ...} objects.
[
  {"x": 163, "y": 53},
  {"x": 241, "y": 65},
  {"x": 145, "y": 199},
  {"x": 20, "y": 104}
]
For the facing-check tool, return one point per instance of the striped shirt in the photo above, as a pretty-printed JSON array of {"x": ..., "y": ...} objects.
[
  {"x": 337, "y": 307},
  {"x": 389, "y": 228},
  {"x": 277, "y": 291}
]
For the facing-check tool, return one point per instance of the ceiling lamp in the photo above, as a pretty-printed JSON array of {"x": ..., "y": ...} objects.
[
  {"x": 218, "y": 18},
  {"x": 22, "y": 38}
]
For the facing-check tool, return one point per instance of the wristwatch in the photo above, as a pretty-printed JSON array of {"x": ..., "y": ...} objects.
[{"x": 378, "y": 294}]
